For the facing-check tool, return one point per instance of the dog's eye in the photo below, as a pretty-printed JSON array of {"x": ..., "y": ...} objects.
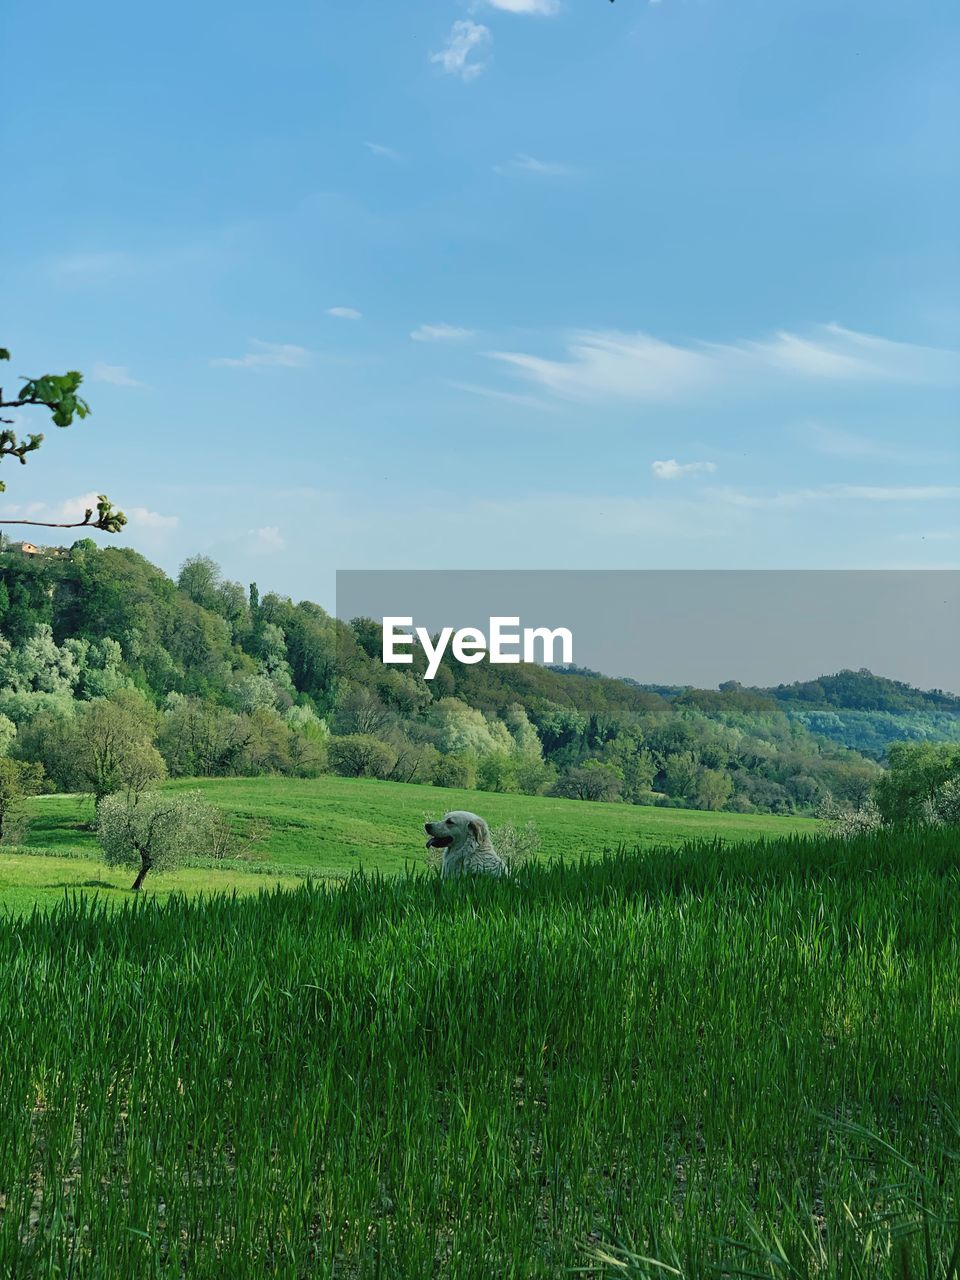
[{"x": 449, "y": 822}]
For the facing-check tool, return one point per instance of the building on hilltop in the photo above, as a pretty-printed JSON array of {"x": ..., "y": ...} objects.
[{"x": 31, "y": 549}]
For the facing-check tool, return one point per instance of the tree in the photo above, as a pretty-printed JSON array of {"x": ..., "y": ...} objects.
[
  {"x": 463, "y": 728},
  {"x": 18, "y": 780},
  {"x": 111, "y": 747},
  {"x": 455, "y": 771},
  {"x": 359, "y": 755},
  {"x": 199, "y": 578},
  {"x": 153, "y": 831},
  {"x": 198, "y": 738},
  {"x": 358, "y": 710},
  {"x": 59, "y": 394},
  {"x": 714, "y": 788},
  {"x": 635, "y": 765},
  {"x": 308, "y": 741},
  {"x": 589, "y": 781},
  {"x": 496, "y": 771},
  {"x": 918, "y": 772},
  {"x": 268, "y": 743},
  {"x": 681, "y": 772}
]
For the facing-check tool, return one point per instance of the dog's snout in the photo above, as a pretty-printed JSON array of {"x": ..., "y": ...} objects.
[{"x": 428, "y": 828}]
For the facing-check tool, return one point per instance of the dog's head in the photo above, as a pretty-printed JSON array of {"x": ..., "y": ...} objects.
[{"x": 455, "y": 829}]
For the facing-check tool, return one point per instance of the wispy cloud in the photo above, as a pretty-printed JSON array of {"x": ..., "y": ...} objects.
[
  {"x": 608, "y": 364},
  {"x": 93, "y": 267},
  {"x": 264, "y": 354},
  {"x": 847, "y": 444},
  {"x": 440, "y": 333},
  {"x": 671, "y": 469},
  {"x": 530, "y": 164},
  {"x": 344, "y": 313},
  {"x": 116, "y": 374},
  {"x": 841, "y": 492},
  {"x": 266, "y": 540},
  {"x": 385, "y": 153},
  {"x": 463, "y": 53},
  {"x": 509, "y": 397},
  {"x": 539, "y": 8}
]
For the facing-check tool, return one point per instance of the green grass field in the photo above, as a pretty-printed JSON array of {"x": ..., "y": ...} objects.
[
  {"x": 738, "y": 1060},
  {"x": 332, "y": 826}
]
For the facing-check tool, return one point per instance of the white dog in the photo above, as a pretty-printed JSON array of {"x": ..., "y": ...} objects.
[{"x": 466, "y": 844}]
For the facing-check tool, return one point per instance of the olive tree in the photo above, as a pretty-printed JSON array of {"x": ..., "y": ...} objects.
[{"x": 152, "y": 831}]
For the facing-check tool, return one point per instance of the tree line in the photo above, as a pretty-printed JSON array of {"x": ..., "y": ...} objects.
[{"x": 113, "y": 674}]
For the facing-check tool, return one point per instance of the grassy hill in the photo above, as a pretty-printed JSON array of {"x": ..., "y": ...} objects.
[{"x": 331, "y": 826}]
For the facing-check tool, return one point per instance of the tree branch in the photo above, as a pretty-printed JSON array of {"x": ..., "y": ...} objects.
[
  {"x": 53, "y": 524},
  {"x": 108, "y": 520}
]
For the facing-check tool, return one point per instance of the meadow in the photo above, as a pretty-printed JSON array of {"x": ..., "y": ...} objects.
[
  {"x": 736, "y": 1059},
  {"x": 330, "y": 827}
]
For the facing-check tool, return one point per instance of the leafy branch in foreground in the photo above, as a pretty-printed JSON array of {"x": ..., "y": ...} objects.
[{"x": 60, "y": 394}]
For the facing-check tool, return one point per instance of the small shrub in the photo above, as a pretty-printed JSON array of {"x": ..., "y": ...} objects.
[
  {"x": 516, "y": 845},
  {"x": 225, "y": 839},
  {"x": 849, "y": 823}
]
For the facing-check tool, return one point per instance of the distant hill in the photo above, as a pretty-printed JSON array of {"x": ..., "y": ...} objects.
[
  {"x": 863, "y": 691},
  {"x": 854, "y": 708},
  {"x": 868, "y": 712}
]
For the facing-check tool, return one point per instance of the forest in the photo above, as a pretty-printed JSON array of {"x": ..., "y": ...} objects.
[{"x": 112, "y": 675}]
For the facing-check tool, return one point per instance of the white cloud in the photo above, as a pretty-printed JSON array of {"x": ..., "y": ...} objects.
[
  {"x": 603, "y": 364},
  {"x": 540, "y": 8},
  {"x": 464, "y": 40},
  {"x": 385, "y": 153},
  {"x": 116, "y": 374},
  {"x": 671, "y": 469},
  {"x": 263, "y": 354},
  {"x": 439, "y": 333},
  {"x": 72, "y": 510},
  {"x": 137, "y": 517},
  {"x": 266, "y": 540},
  {"x": 141, "y": 517},
  {"x": 344, "y": 313},
  {"x": 530, "y": 164}
]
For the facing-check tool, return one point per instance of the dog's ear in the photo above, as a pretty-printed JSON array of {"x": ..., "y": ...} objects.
[{"x": 478, "y": 829}]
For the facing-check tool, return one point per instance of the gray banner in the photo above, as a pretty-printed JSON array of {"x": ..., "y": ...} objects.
[{"x": 761, "y": 627}]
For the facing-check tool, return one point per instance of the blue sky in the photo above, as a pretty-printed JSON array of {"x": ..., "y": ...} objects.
[{"x": 510, "y": 283}]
